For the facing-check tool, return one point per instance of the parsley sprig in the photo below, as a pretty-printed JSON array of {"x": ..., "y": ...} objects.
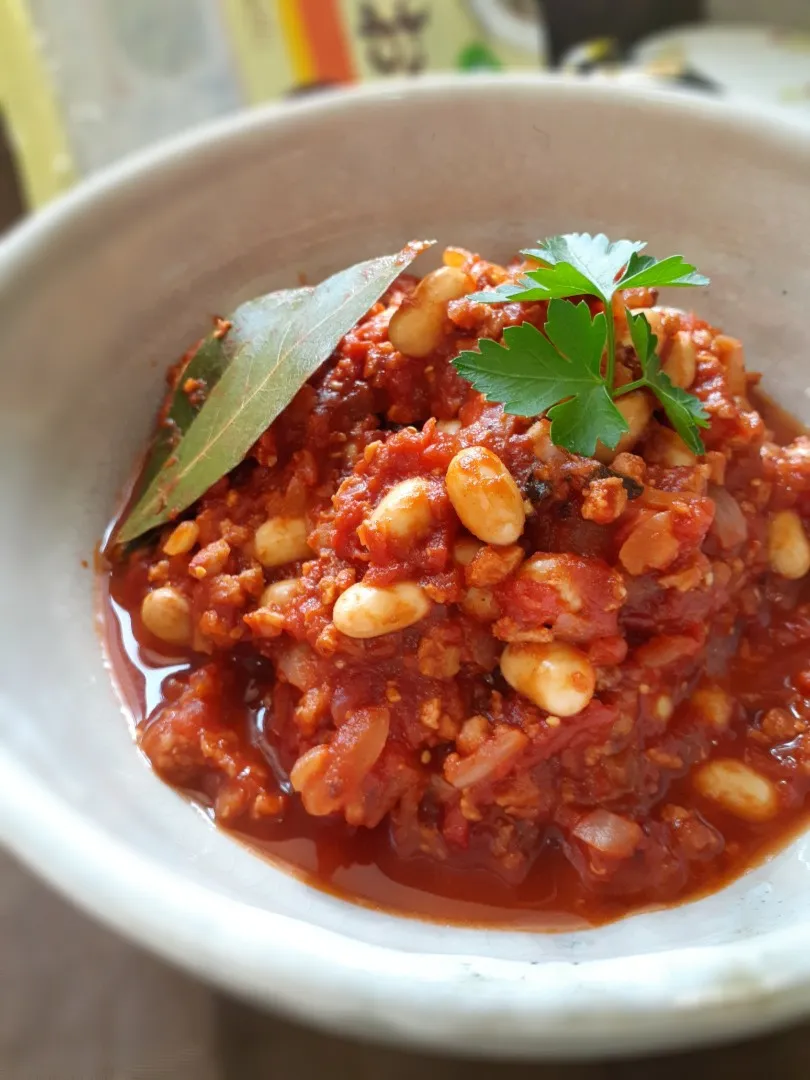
[
  {"x": 568, "y": 371},
  {"x": 683, "y": 410}
]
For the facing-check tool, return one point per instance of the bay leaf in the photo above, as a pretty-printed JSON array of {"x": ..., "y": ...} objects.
[
  {"x": 205, "y": 367},
  {"x": 277, "y": 347}
]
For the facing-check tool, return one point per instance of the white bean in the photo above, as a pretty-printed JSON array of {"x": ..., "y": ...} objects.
[
  {"x": 554, "y": 570},
  {"x": 297, "y": 664},
  {"x": 663, "y": 708},
  {"x": 282, "y": 540},
  {"x": 182, "y": 539},
  {"x": 681, "y": 364},
  {"x": 485, "y": 496},
  {"x": 654, "y": 317},
  {"x": 732, "y": 357},
  {"x": 637, "y": 409},
  {"x": 453, "y": 256},
  {"x": 167, "y": 615},
  {"x": 788, "y": 546},
  {"x": 281, "y": 593},
  {"x": 465, "y": 550},
  {"x": 738, "y": 789},
  {"x": 714, "y": 706},
  {"x": 417, "y": 328},
  {"x": 443, "y": 285},
  {"x": 404, "y": 512},
  {"x": 369, "y": 611},
  {"x": 555, "y": 676},
  {"x": 666, "y": 447}
]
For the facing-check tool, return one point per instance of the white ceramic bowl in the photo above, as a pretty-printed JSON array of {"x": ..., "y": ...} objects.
[{"x": 106, "y": 287}]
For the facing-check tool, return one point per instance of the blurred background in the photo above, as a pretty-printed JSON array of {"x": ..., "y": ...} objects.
[{"x": 83, "y": 82}]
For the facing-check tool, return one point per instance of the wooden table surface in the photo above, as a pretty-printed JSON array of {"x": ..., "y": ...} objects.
[{"x": 77, "y": 1003}]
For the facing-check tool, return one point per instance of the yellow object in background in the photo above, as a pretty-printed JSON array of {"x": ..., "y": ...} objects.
[
  {"x": 259, "y": 43},
  {"x": 28, "y": 106},
  {"x": 289, "y": 46},
  {"x": 82, "y": 83}
]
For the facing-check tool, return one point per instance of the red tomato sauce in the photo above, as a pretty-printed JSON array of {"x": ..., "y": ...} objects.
[{"x": 415, "y": 770}]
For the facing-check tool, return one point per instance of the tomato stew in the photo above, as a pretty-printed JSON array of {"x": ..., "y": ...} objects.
[{"x": 415, "y": 651}]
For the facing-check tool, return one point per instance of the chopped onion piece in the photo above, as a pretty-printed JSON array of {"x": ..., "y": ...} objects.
[{"x": 612, "y": 835}]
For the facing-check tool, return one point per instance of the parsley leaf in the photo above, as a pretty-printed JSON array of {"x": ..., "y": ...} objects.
[
  {"x": 581, "y": 422},
  {"x": 526, "y": 374},
  {"x": 579, "y": 264},
  {"x": 673, "y": 272},
  {"x": 569, "y": 372},
  {"x": 684, "y": 411},
  {"x": 577, "y": 334},
  {"x": 502, "y": 294},
  {"x": 593, "y": 261},
  {"x": 555, "y": 282},
  {"x": 559, "y": 374}
]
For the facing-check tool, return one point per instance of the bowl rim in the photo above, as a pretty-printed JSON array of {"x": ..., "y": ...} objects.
[{"x": 464, "y": 1003}]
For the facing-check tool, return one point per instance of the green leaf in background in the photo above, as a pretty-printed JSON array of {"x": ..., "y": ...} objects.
[
  {"x": 477, "y": 56},
  {"x": 277, "y": 348}
]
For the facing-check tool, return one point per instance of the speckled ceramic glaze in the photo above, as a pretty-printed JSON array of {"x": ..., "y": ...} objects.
[{"x": 100, "y": 291}]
